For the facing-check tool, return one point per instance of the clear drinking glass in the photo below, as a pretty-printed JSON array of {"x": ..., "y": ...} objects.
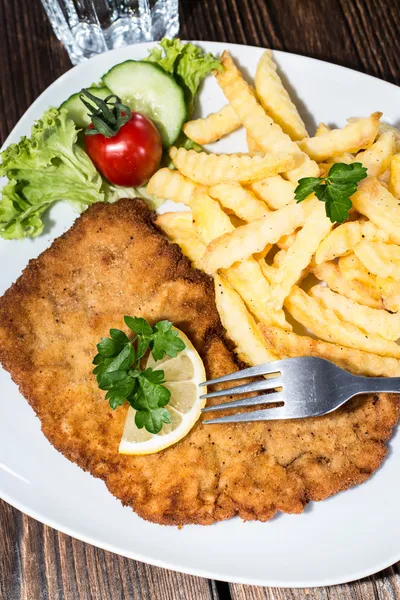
[{"x": 88, "y": 27}]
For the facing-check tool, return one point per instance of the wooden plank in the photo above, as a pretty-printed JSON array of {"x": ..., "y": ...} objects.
[
  {"x": 382, "y": 586},
  {"x": 39, "y": 563}
]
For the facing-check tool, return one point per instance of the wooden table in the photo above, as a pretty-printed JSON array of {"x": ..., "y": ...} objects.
[{"x": 36, "y": 562}]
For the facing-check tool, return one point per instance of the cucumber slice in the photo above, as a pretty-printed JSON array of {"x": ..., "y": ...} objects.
[
  {"x": 78, "y": 111},
  {"x": 147, "y": 89}
]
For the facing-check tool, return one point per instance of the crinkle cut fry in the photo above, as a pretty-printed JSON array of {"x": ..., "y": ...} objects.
[
  {"x": 210, "y": 169},
  {"x": 267, "y": 134}
]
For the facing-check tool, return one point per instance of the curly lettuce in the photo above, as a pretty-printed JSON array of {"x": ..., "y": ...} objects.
[
  {"x": 188, "y": 63},
  {"x": 47, "y": 167},
  {"x": 50, "y": 165}
]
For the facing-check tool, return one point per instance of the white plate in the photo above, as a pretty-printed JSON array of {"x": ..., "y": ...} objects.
[{"x": 349, "y": 536}]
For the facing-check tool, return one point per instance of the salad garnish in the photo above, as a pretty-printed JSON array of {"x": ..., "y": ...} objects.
[
  {"x": 46, "y": 167},
  {"x": 52, "y": 163}
]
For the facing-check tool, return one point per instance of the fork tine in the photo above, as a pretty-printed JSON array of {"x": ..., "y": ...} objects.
[
  {"x": 267, "y": 368},
  {"x": 263, "y": 399},
  {"x": 267, "y": 414},
  {"x": 254, "y": 386}
]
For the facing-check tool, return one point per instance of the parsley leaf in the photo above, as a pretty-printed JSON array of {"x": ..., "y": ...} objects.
[
  {"x": 155, "y": 394},
  {"x": 165, "y": 341},
  {"x": 152, "y": 421},
  {"x": 153, "y": 376},
  {"x": 118, "y": 371},
  {"x": 335, "y": 189},
  {"x": 306, "y": 186},
  {"x": 138, "y": 325},
  {"x": 343, "y": 173}
]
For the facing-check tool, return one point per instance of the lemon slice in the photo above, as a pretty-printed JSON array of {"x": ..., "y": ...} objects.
[{"x": 183, "y": 375}]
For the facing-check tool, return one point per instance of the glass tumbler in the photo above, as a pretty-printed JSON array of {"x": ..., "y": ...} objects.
[{"x": 88, "y": 27}]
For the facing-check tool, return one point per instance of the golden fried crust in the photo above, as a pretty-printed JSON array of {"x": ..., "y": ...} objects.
[{"x": 114, "y": 262}]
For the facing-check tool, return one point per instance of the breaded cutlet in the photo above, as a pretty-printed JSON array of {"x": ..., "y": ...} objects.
[{"x": 115, "y": 262}]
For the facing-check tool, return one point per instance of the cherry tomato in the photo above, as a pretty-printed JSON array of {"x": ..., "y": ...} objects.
[{"x": 131, "y": 156}]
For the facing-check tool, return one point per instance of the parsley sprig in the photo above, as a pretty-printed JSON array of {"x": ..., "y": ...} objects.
[
  {"x": 335, "y": 189},
  {"x": 118, "y": 370}
]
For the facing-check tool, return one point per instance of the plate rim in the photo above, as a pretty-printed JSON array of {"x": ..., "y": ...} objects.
[{"x": 75, "y": 533}]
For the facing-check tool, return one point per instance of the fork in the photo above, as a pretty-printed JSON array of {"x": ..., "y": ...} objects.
[{"x": 310, "y": 387}]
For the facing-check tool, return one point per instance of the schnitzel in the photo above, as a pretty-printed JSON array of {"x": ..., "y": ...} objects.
[{"x": 115, "y": 262}]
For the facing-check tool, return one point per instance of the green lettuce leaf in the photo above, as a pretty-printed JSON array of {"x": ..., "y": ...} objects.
[
  {"x": 188, "y": 63},
  {"x": 47, "y": 167},
  {"x": 194, "y": 65},
  {"x": 166, "y": 55}
]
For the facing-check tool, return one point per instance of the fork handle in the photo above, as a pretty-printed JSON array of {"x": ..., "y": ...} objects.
[{"x": 369, "y": 385}]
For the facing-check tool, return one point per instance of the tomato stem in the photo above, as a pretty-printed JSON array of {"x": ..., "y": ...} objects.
[{"x": 107, "y": 115}]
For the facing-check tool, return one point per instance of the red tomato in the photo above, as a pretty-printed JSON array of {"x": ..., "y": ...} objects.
[{"x": 130, "y": 157}]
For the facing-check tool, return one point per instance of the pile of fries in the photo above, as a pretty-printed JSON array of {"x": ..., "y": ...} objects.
[{"x": 268, "y": 254}]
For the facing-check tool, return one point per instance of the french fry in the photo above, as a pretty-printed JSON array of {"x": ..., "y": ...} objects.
[
  {"x": 267, "y": 134},
  {"x": 275, "y": 99},
  {"x": 383, "y": 128},
  {"x": 267, "y": 270},
  {"x": 374, "y": 201},
  {"x": 346, "y": 157},
  {"x": 240, "y": 200},
  {"x": 172, "y": 185},
  {"x": 299, "y": 255},
  {"x": 276, "y": 192},
  {"x": 290, "y": 345},
  {"x": 378, "y": 157},
  {"x": 286, "y": 241},
  {"x": 236, "y": 221},
  {"x": 379, "y": 258},
  {"x": 260, "y": 255},
  {"x": 371, "y": 320},
  {"x": 394, "y": 176},
  {"x": 252, "y": 144},
  {"x": 210, "y": 169},
  {"x": 324, "y": 169},
  {"x": 213, "y": 127},
  {"x": 375, "y": 291},
  {"x": 389, "y": 290},
  {"x": 240, "y": 325},
  {"x": 209, "y": 219},
  {"x": 353, "y": 269},
  {"x": 253, "y": 237},
  {"x": 248, "y": 280},
  {"x": 323, "y": 323},
  {"x": 279, "y": 258},
  {"x": 246, "y": 277},
  {"x": 178, "y": 226},
  {"x": 351, "y": 138},
  {"x": 384, "y": 178},
  {"x": 354, "y": 290},
  {"x": 345, "y": 238},
  {"x": 322, "y": 129}
]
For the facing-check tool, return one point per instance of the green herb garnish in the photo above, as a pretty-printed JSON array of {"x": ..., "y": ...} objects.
[
  {"x": 118, "y": 370},
  {"x": 335, "y": 189}
]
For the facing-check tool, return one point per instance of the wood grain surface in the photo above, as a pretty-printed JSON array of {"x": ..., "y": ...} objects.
[{"x": 36, "y": 562}]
